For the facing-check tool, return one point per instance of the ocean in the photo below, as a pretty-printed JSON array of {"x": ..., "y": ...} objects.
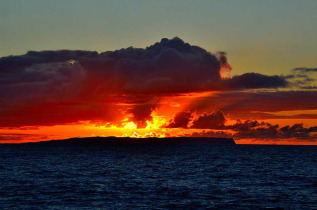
[{"x": 186, "y": 176}]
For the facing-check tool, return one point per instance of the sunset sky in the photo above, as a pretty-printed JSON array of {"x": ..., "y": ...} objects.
[{"x": 241, "y": 69}]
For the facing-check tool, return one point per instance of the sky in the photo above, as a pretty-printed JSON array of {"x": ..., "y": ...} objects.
[{"x": 242, "y": 69}]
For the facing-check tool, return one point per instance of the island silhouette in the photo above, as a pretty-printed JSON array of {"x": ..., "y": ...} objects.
[{"x": 112, "y": 140}]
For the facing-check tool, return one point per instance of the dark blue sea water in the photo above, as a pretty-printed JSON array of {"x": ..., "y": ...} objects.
[{"x": 157, "y": 176}]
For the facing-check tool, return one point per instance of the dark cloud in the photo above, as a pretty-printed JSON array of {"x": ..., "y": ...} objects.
[
  {"x": 225, "y": 67},
  {"x": 212, "y": 133},
  {"x": 170, "y": 66},
  {"x": 298, "y": 131},
  {"x": 190, "y": 119},
  {"x": 254, "y": 80},
  {"x": 117, "y": 81},
  {"x": 262, "y": 130},
  {"x": 222, "y": 57},
  {"x": 167, "y": 66},
  {"x": 304, "y": 69},
  {"x": 256, "y": 130},
  {"x": 248, "y": 129},
  {"x": 43, "y": 86},
  {"x": 215, "y": 120},
  {"x": 180, "y": 120},
  {"x": 303, "y": 78},
  {"x": 46, "y": 81},
  {"x": 141, "y": 114},
  {"x": 309, "y": 87}
]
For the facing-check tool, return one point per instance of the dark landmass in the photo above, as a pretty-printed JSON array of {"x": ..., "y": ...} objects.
[{"x": 137, "y": 141}]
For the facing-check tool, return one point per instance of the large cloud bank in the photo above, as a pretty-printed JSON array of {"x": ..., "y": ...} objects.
[{"x": 66, "y": 86}]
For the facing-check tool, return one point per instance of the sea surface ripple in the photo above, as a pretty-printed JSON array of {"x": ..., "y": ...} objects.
[{"x": 158, "y": 177}]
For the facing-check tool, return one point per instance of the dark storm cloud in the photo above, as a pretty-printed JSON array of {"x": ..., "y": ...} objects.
[
  {"x": 254, "y": 129},
  {"x": 170, "y": 66},
  {"x": 297, "y": 130},
  {"x": 189, "y": 119},
  {"x": 167, "y": 66},
  {"x": 262, "y": 130},
  {"x": 214, "y": 120},
  {"x": 142, "y": 113},
  {"x": 254, "y": 80},
  {"x": 180, "y": 120},
  {"x": 83, "y": 80},
  {"x": 251, "y": 129},
  {"x": 45, "y": 81},
  {"x": 212, "y": 133}
]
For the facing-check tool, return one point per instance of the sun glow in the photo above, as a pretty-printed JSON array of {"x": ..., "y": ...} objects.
[
  {"x": 153, "y": 127},
  {"x": 129, "y": 125},
  {"x": 157, "y": 121}
]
